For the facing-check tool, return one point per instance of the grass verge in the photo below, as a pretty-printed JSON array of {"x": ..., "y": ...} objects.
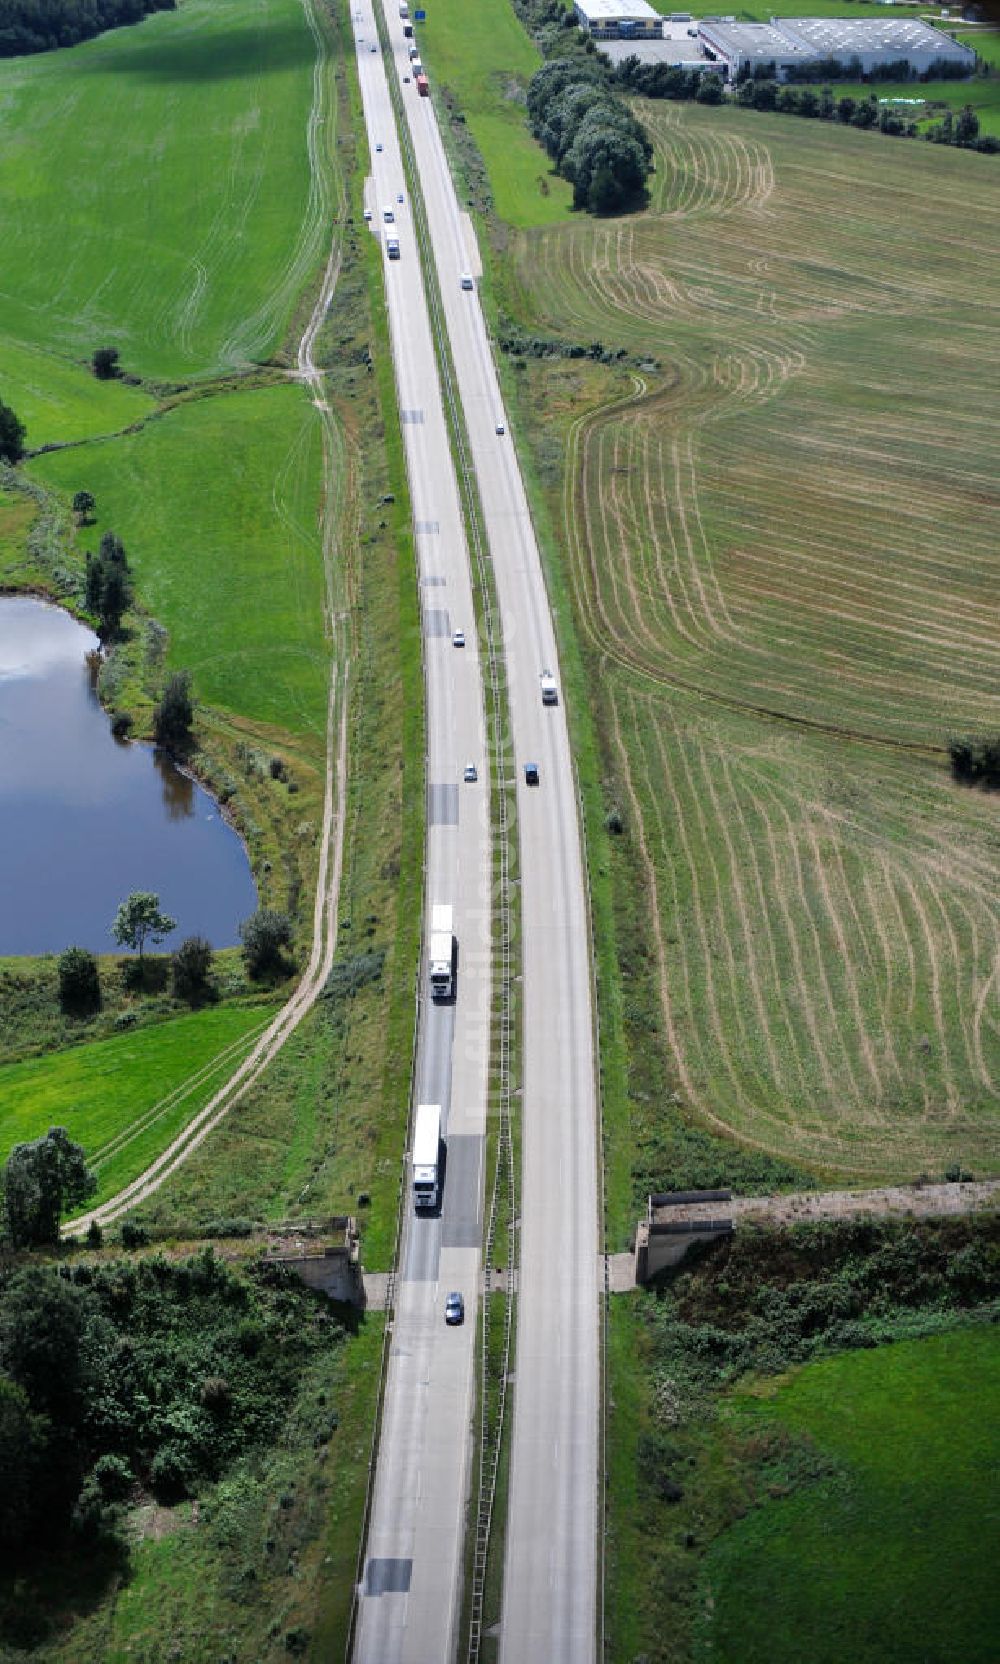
[{"x": 482, "y": 61}]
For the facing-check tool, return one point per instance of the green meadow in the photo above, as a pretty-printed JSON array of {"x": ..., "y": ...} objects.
[
  {"x": 218, "y": 502},
  {"x": 155, "y": 190},
  {"x": 123, "y": 1098},
  {"x": 59, "y": 401},
  {"x": 482, "y": 55},
  {"x": 981, "y": 92},
  {"x": 891, "y": 1558}
]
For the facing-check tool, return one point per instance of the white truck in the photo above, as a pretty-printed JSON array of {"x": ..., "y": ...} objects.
[
  {"x": 404, "y": 10},
  {"x": 441, "y": 952},
  {"x": 550, "y": 693},
  {"x": 391, "y": 245},
  {"x": 427, "y": 1156}
]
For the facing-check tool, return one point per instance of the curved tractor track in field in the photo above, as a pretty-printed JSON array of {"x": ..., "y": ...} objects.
[
  {"x": 336, "y": 514},
  {"x": 793, "y": 516}
]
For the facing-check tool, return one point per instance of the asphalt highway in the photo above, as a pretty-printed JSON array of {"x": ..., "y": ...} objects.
[
  {"x": 411, "y": 1587},
  {"x": 549, "y": 1602}
]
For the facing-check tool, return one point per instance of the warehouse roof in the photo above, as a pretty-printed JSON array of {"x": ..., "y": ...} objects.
[
  {"x": 755, "y": 40},
  {"x": 837, "y": 37},
  {"x": 598, "y": 11}
]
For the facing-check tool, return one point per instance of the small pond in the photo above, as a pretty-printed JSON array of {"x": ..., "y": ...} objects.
[{"x": 85, "y": 818}]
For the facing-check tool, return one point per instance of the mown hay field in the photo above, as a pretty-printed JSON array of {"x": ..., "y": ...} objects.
[{"x": 784, "y": 551}]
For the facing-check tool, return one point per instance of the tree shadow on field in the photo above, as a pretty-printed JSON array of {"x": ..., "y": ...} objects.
[{"x": 216, "y": 57}]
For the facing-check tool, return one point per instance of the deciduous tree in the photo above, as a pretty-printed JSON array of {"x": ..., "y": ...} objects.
[
  {"x": 265, "y": 936},
  {"x": 174, "y": 714},
  {"x": 12, "y": 435},
  {"x": 139, "y": 920},
  {"x": 41, "y": 1180}
]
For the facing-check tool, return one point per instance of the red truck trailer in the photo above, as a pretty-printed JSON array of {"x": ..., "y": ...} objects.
[{"x": 423, "y": 86}]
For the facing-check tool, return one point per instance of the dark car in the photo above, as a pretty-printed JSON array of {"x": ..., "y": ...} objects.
[
  {"x": 531, "y": 774},
  {"x": 454, "y": 1308}
]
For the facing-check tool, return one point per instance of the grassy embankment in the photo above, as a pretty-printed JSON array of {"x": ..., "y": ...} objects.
[{"x": 481, "y": 62}]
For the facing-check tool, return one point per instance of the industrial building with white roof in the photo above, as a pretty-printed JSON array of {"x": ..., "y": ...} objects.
[
  {"x": 618, "y": 19},
  {"x": 794, "y": 41},
  {"x": 734, "y": 48}
]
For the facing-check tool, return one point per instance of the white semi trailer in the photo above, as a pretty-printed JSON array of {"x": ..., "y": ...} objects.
[
  {"x": 441, "y": 952},
  {"x": 427, "y": 1156}
]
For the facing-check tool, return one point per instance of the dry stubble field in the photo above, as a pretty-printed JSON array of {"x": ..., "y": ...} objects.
[{"x": 784, "y": 552}]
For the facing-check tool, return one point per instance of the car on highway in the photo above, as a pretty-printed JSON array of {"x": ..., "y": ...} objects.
[
  {"x": 454, "y": 1308},
  {"x": 458, "y": 639},
  {"x": 368, "y": 216},
  {"x": 470, "y": 774},
  {"x": 466, "y": 281},
  {"x": 550, "y": 692},
  {"x": 406, "y": 78},
  {"x": 399, "y": 197},
  {"x": 531, "y": 774},
  {"x": 501, "y": 428},
  {"x": 378, "y": 146},
  {"x": 372, "y": 47}
]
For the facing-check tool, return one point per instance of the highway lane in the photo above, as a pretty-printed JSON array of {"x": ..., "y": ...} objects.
[
  {"x": 411, "y": 1589},
  {"x": 550, "y": 1584}
]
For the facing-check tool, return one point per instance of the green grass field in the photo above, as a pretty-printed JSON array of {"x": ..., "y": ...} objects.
[
  {"x": 895, "y": 1558},
  {"x": 218, "y": 503},
  {"x": 782, "y": 547},
  {"x": 482, "y": 54},
  {"x": 124, "y": 1098},
  {"x": 155, "y": 191},
  {"x": 981, "y": 92},
  {"x": 59, "y": 401}
]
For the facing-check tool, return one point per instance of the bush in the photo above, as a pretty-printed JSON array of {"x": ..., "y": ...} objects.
[
  {"x": 12, "y": 435},
  {"x": 79, "y": 982},
  {"x": 975, "y": 760},
  {"x": 171, "y": 1472},
  {"x": 105, "y": 363},
  {"x": 134, "y": 1236},
  {"x": 265, "y": 937},
  {"x": 174, "y": 715},
  {"x": 192, "y": 969}
]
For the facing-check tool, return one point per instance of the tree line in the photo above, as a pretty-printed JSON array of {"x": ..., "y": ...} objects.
[
  {"x": 42, "y": 25},
  {"x": 593, "y": 138},
  {"x": 759, "y": 89}
]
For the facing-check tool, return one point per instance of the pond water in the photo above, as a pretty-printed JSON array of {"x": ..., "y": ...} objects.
[{"x": 85, "y": 818}]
